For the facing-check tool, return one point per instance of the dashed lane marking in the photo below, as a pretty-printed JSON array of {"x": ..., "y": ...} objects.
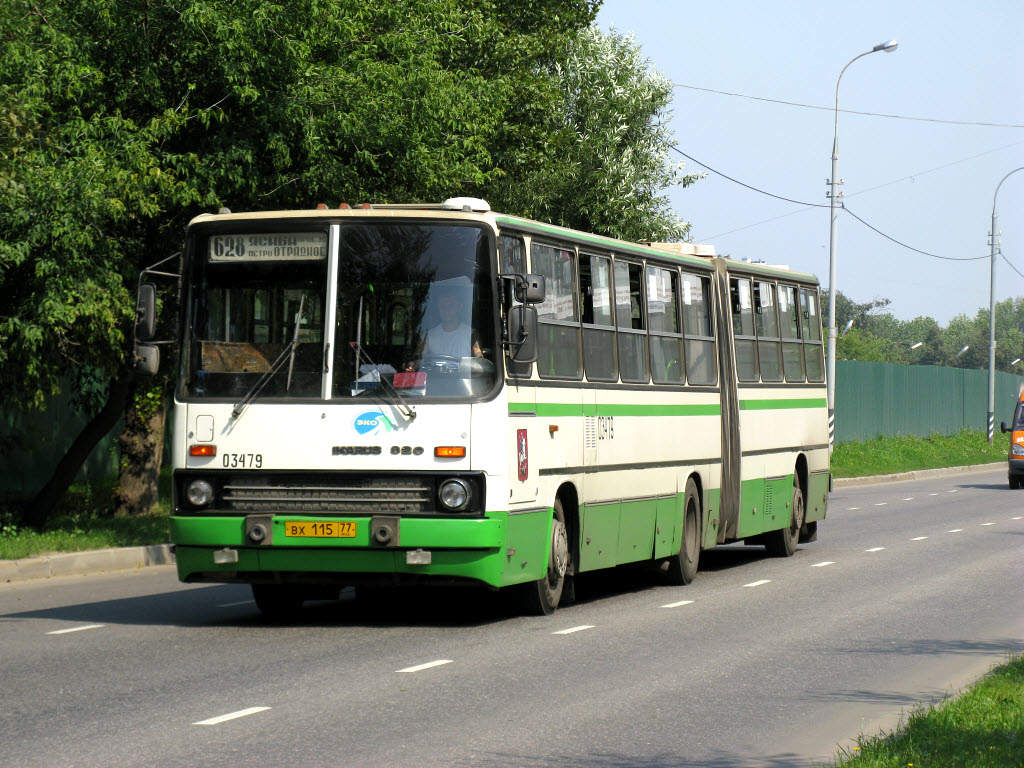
[
  {"x": 875, "y": 549},
  {"x": 919, "y": 538},
  {"x": 428, "y": 665},
  {"x": 911, "y": 498},
  {"x": 676, "y": 605},
  {"x": 822, "y": 565},
  {"x": 988, "y": 524},
  {"x": 573, "y": 629},
  {"x": 75, "y": 629},
  {"x": 956, "y": 530},
  {"x": 232, "y": 716},
  {"x": 882, "y": 504},
  {"x": 757, "y": 583},
  {"x": 853, "y": 509}
]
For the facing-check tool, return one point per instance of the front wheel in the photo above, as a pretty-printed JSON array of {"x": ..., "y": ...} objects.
[
  {"x": 782, "y": 543},
  {"x": 541, "y": 597},
  {"x": 1014, "y": 482}
]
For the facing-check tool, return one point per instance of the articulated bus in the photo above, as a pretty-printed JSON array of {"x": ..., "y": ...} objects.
[{"x": 401, "y": 394}]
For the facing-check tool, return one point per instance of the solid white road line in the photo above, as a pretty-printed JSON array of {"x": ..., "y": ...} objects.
[
  {"x": 573, "y": 629},
  {"x": 676, "y": 605},
  {"x": 232, "y": 716},
  {"x": 875, "y": 549},
  {"x": 75, "y": 629},
  {"x": 919, "y": 538},
  {"x": 822, "y": 565},
  {"x": 428, "y": 665},
  {"x": 757, "y": 583}
]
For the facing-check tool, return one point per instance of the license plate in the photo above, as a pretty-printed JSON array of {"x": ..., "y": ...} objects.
[{"x": 332, "y": 530}]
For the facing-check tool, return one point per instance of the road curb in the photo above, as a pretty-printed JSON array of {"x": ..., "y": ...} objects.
[
  {"x": 85, "y": 563},
  {"x": 917, "y": 474},
  {"x": 129, "y": 558}
]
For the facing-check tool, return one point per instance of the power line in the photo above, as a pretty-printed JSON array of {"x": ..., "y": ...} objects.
[
  {"x": 848, "y": 111},
  {"x": 735, "y": 181},
  {"x": 822, "y": 205},
  {"x": 1010, "y": 263}
]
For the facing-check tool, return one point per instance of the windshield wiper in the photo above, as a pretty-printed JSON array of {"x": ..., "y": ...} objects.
[
  {"x": 392, "y": 394},
  {"x": 287, "y": 353}
]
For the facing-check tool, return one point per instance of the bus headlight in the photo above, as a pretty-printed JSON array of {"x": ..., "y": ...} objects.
[
  {"x": 1017, "y": 449},
  {"x": 199, "y": 493},
  {"x": 454, "y": 495}
]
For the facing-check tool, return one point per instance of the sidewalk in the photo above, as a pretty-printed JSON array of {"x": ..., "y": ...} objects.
[{"x": 129, "y": 558}]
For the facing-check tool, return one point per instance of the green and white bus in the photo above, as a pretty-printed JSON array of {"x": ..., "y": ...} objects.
[{"x": 401, "y": 394}]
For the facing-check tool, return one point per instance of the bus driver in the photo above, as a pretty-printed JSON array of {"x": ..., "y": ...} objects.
[{"x": 451, "y": 337}]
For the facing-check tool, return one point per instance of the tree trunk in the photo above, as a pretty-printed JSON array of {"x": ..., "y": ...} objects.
[
  {"x": 142, "y": 448},
  {"x": 42, "y": 506}
]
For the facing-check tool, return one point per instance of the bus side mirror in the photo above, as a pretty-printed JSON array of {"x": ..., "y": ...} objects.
[
  {"x": 1002, "y": 426},
  {"x": 145, "y": 312},
  {"x": 522, "y": 333},
  {"x": 530, "y": 290},
  {"x": 147, "y": 359}
]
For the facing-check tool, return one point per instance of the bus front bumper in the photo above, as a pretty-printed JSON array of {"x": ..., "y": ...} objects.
[{"x": 423, "y": 550}]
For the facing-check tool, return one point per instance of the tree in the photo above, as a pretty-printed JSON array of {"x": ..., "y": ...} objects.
[{"x": 604, "y": 166}]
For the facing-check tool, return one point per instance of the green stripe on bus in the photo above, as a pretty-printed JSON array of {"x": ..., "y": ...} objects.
[
  {"x": 775, "y": 405},
  {"x": 566, "y": 409}
]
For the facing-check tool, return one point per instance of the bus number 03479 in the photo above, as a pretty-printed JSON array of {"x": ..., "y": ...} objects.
[{"x": 250, "y": 460}]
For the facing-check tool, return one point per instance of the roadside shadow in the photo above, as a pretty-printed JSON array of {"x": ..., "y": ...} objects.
[{"x": 896, "y": 646}]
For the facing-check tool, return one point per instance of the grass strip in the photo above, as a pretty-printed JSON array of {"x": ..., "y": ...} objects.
[
  {"x": 888, "y": 455},
  {"x": 983, "y": 727}
]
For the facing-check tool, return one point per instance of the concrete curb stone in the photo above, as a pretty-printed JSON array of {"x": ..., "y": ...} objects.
[
  {"x": 129, "y": 558},
  {"x": 85, "y": 563}
]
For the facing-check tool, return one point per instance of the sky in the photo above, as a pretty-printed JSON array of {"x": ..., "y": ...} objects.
[{"x": 927, "y": 184}]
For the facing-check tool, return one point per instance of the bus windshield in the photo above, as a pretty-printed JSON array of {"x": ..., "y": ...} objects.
[{"x": 414, "y": 313}]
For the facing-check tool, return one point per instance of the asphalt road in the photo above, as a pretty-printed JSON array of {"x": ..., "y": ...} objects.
[{"x": 912, "y": 591}]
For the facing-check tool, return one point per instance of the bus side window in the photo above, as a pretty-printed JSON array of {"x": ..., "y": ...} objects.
[
  {"x": 666, "y": 337},
  {"x": 743, "y": 329},
  {"x": 598, "y": 330},
  {"x": 559, "y": 327},
  {"x": 812, "y": 334},
  {"x": 792, "y": 348},
  {"x": 769, "y": 352},
  {"x": 699, "y": 338},
  {"x": 629, "y": 318}
]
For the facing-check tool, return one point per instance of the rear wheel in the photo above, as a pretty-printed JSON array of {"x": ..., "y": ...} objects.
[
  {"x": 541, "y": 597},
  {"x": 782, "y": 543},
  {"x": 278, "y": 602},
  {"x": 683, "y": 567}
]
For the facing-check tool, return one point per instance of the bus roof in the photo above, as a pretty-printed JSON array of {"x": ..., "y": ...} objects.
[{"x": 478, "y": 210}]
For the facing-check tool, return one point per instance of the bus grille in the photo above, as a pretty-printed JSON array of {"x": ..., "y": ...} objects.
[{"x": 350, "y": 495}]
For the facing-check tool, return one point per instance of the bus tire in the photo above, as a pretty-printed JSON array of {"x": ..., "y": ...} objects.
[
  {"x": 782, "y": 543},
  {"x": 682, "y": 568},
  {"x": 278, "y": 602},
  {"x": 541, "y": 597}
]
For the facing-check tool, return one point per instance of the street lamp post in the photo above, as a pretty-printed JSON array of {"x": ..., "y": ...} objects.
[
  {"x": 993, "y": 238},
  {"x": 833, "y": 195}
]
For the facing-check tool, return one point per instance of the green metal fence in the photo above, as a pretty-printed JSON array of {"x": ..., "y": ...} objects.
[{"x": 875, "y": 399}]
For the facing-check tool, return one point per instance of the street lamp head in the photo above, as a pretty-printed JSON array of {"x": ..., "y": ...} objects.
[
  {"x": 888, "y": 47},
  {"x": 1015, "y": 361},
  {"x": 918, "y": 344},
  {"x": 966, "y": 347},
  {"x": 847, "y": 327}
]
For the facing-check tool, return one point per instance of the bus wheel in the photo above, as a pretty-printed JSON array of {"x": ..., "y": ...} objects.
[
  {"x": 541, "y": 597},
  {"x": 782, "y": 543},
  {"x": 278, "y": 602},
  {"x": 683, "y": 566}
]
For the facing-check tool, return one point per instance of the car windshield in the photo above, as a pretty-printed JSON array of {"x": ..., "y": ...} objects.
[{"x": 413, "y": 318}]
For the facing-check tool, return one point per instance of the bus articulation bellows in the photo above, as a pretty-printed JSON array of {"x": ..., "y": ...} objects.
[{"x": 445, "y": 394}]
